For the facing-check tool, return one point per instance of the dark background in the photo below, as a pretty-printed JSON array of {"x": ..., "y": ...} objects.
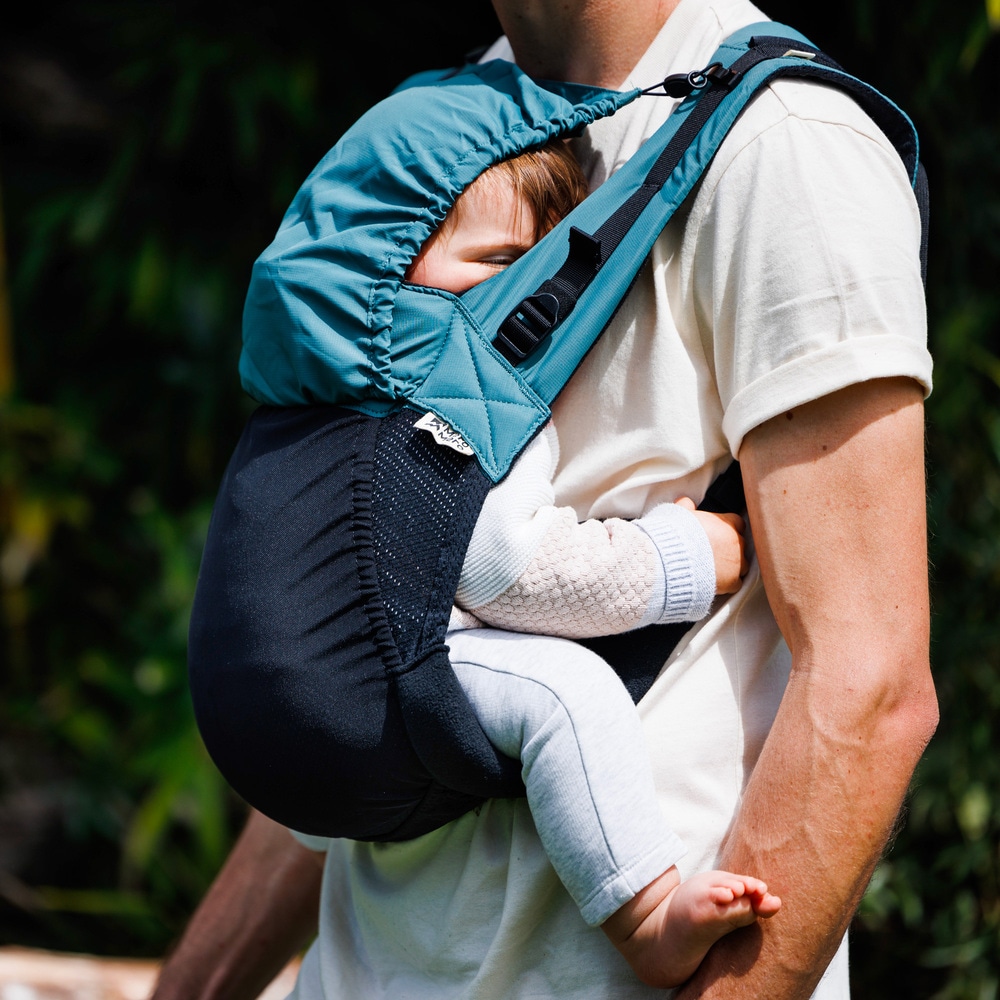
[{"x": 147, "y": 151}]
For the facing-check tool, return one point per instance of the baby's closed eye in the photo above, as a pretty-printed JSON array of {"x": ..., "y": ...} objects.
[{"x": 501, "y": 260}]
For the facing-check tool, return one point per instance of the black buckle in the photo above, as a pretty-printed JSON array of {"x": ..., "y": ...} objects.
[
  {"x": 527, "y": 326},
  {"x": 720, "y": 75}
]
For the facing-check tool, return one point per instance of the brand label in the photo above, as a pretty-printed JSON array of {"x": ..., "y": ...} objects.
[{"x": 444, "y": 433}]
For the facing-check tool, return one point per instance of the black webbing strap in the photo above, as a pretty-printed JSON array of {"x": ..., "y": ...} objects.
[
  {"x": 725, "y": 495},
  {"x": 538, "y": 314},
  {"x": 922, "y": 193}
]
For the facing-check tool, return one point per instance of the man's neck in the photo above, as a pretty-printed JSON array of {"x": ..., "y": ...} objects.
[{"x": 597, "y": 42}]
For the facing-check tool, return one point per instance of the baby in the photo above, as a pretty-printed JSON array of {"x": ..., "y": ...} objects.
[{"x": 532, "y": 568}]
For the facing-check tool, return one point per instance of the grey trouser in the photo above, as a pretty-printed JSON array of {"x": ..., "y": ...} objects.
[{"x": 564, "y": 713}]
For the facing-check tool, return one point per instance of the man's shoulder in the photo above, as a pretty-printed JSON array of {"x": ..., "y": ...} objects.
[
  {"x": 821, "y": 103},
  {"x": 797, "y": 125},
  {"x": 805, "y": 101}
]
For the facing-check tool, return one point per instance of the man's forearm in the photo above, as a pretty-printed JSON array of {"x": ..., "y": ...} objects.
[
  {"x": 261, "y": 909},
  {"x": 836, "y": 502},
  {"x": 803, "y": 843}
]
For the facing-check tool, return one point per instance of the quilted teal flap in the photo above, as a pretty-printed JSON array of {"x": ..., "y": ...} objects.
[{"x": 446, "y": 365}]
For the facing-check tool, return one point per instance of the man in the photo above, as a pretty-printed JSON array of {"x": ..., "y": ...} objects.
[{"x": 780, "y": 320}]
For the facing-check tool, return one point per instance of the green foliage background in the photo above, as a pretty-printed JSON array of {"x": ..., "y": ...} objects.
[{"x": 148, "y": 151}]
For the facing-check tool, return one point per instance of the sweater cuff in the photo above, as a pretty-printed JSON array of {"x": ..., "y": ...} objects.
[{"x": 684, "y": 588}]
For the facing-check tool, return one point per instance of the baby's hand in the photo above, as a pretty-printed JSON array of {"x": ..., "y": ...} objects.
[{"x": 725, "y": 535}]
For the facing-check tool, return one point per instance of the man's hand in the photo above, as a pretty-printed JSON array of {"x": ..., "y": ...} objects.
[
  {"x": 261, "y": 909},
  {"x": 835, "y": 493}
]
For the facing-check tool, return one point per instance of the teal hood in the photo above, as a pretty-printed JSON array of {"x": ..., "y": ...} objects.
[{"x": 320, "y": 322}]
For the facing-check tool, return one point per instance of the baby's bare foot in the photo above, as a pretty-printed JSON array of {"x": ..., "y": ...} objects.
[{"x": 667, "y": 929}]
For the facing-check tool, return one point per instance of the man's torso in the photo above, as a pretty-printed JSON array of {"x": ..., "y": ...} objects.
[{"x": 689, "y": 364}]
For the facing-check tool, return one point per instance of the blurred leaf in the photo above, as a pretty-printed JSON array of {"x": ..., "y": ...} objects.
[
  {"x": 974, "y": 810},
  {"x": 93, "y": 901}
]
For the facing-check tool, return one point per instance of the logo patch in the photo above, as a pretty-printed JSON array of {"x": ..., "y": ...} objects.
[{"x": 444, "y": 433}]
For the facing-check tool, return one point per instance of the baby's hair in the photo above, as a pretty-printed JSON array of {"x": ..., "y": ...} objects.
[{"x": 547, "y": 179}]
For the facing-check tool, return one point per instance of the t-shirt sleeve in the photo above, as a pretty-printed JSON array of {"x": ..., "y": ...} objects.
[{"x": 807, "y": 275}]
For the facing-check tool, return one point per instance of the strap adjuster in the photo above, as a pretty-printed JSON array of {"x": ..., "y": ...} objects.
[{"x": 527, "y": 326}]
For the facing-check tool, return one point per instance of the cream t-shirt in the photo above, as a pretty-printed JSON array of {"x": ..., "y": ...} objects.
[{"x": 791, "y": 273}]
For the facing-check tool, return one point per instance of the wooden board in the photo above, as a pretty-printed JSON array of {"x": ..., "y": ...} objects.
[{"x": 29, "y": 974}]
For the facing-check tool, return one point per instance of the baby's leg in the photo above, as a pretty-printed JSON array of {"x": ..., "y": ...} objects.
[
  {"x": 566, "y": 715},
  {"x": 667, "y": 929}
]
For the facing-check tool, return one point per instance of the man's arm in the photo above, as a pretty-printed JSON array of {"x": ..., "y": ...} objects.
[
  {"x": 261, "y": 909},
  {"x": 835, "y": 493}
]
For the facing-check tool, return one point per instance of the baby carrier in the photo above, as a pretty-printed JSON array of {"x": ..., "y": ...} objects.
[{"x": 318, "y": 664}]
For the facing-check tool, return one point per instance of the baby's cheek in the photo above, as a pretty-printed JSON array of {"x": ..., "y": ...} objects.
[{"x": 467, "y": 276}]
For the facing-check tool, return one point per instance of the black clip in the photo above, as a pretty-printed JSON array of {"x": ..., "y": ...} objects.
[
  {"x": 721, "y": 76},
  {"x": 685, "y": 84},
  {"x": 584, "y": 248}
]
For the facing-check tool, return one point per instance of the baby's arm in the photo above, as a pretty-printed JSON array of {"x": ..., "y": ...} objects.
[{"x": 532, "y": 567}]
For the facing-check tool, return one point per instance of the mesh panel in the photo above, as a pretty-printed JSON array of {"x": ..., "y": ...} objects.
[{"x": 426, "y": 501}]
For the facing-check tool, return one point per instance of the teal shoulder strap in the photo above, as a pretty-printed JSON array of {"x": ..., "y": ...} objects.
[{"x": 547, "y": 327}]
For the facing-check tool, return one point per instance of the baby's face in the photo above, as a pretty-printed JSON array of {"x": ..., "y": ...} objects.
[{"x": 487, "y": 229}]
